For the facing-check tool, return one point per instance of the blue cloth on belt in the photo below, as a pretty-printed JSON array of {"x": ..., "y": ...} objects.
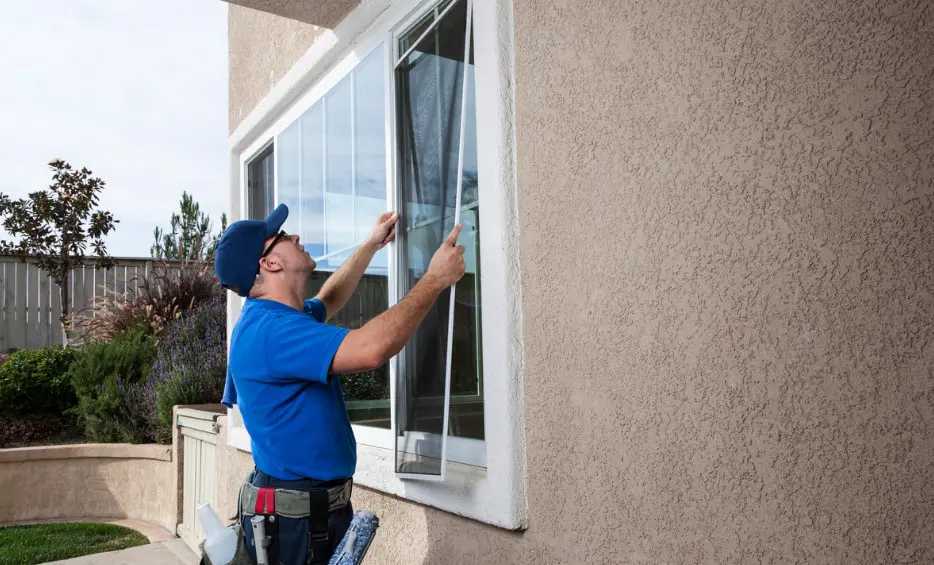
[{"x": 353, "y": 547}]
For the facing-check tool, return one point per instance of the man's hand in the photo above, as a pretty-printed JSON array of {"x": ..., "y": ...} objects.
[
  {"x": 448, "y": 266},
  {"x": 384, "y": 231}
]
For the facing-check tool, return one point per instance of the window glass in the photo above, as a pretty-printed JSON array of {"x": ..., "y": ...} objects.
[
  {"x": 287, "y": 175},
  {"x": 260, "y": 185},
  {"x": 430, "y": 88},
  {"x": 334, "y": 175}
]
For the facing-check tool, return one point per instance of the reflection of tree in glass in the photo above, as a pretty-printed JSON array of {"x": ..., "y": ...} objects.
[
  {"x": 368, "y": 385},
  {"x": 368, "y": 301}
]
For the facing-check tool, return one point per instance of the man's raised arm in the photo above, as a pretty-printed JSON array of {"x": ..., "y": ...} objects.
[
  {"x": 340, "y": 286},
  {"x": 385, "y": 335}
]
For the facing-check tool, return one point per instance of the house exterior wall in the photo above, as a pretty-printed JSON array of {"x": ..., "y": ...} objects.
[
  {"x": 726, "y": 215},
  {"x": 262, "y": 47},
  {"x": 323, "y": 13}
]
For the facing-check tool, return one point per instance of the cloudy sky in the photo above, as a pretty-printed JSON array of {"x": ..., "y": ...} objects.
[{"x": 135, "y": 90}]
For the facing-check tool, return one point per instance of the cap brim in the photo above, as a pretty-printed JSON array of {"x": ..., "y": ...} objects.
[{"x": 275, "y": 220}]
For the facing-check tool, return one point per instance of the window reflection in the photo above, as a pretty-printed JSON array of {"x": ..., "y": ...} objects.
[{"x": 335, "y": 174}]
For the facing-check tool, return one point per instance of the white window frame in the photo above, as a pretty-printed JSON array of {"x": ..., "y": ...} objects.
[{"x": 494, "y": 493}]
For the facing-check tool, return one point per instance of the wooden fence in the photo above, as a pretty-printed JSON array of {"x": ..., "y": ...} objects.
[{"x": 31, "y": 306}]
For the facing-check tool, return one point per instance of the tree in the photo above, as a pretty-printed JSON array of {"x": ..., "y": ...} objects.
[
  {"x": 57, "y": 224},
  {"x": 188, "y": 238}
]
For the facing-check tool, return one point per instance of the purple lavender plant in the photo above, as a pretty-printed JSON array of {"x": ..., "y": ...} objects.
[{"x": 190, "y": 366}]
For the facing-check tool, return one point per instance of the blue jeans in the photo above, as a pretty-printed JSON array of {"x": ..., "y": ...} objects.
[{"x": 293, "y": 532}]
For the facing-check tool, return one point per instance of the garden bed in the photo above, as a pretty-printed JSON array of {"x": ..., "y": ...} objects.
[{"x": 31, "y": 430}]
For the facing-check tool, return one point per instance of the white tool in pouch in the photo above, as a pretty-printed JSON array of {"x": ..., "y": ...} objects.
[{"x": 260, "y": 539}]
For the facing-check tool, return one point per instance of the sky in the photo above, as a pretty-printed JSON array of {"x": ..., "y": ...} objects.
[{"x": 134, "y": 90}]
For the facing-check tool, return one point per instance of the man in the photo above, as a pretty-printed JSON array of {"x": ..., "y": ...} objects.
[{"x": 284, "y": 366}]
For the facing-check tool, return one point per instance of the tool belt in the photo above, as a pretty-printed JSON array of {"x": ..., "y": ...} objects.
[
  {"x": 273, "y": 504},
  {"x": 285, "y": 503},
  {"x": 291, "y": 503}
]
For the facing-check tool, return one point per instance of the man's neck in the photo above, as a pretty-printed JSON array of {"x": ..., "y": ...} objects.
[{"x": 293, "y": 297}]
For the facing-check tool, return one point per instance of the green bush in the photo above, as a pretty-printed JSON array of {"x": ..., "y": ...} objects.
[
  {"x": 104, "y": 376},
  {"x": 367, "y": 385},
  {"x": 35, "y": 381}
]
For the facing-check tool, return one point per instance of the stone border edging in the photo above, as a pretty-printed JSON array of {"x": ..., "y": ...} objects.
[{"x": 87, "y": 451}]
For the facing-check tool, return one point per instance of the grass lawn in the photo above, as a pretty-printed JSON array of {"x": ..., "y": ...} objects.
[{"x": 28, "y": 545}]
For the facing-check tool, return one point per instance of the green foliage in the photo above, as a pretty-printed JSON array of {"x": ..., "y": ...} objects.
[
  {"x": 41, "y": 543},
  {"x": 189, "y": 235},
  {"x": 104, "y": 376},
  {"x": 34, "y": 381},
  {"x": 57, "y": 224},
  {"x": 183, "y": 388},
  {"x": 367, "y": 385}
]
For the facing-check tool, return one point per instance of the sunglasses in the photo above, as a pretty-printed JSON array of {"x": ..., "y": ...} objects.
[{"x": 277, "y": 239}]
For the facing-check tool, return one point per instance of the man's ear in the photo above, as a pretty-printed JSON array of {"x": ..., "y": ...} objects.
[{"x": 270, "y": 264}]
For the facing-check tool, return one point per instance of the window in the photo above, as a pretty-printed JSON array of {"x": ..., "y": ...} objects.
[
  {"x": 334, "y": 171},
  {"x": 386, "y": 119},
  {"x": 261, "y": 184},
  {"x": 439, "y": 386}
]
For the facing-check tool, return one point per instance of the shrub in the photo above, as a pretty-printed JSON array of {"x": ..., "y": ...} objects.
[
  {"x": 22, "y": 430},
  {"x": 105, "y": 376},
  {"x": 162, "y": 298},
  {"x": 35, "y": 381},
  {"x": 367, "y": 385},
  {"x": 190, "y": 367}
]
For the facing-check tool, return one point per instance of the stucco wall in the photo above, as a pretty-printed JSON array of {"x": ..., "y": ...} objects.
[
  {"x": 726, "y": 240},
  {"x": 323, "y": 13},
  {"x": 262, "y": 47},
  {"x": 727, "y": 228},
  {"x": 88, "y": 481}
]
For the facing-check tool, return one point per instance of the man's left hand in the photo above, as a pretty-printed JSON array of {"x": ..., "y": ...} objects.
[{"x": 384, "y": 231}]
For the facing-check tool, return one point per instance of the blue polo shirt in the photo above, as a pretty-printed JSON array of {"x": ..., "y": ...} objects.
[{"x": 293, "y": 409}]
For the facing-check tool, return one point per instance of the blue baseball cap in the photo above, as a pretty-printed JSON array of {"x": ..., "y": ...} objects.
[{"x": 236, "y": 258}]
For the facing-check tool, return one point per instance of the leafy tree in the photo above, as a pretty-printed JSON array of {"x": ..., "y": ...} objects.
[
  {"x": 57, "y": 224},
  {"x": 189, "y": 235}
]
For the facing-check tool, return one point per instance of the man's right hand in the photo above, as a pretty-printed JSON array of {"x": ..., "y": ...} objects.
[{"x": 448, "y": 266}]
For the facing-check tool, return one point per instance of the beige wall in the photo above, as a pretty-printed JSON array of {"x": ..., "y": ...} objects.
[
  {"x": 726, "y": 239},
  {"x": 261, "y": 48},
  {"x": 745, "y": 320},
  {"x": 323, "y": 13},
  {"x": 96, "y": 481}
]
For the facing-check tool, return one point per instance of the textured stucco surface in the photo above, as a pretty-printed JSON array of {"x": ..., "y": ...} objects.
[
  {"x": 88, "y": 482},
  {"x": 727, "y": 241},
  {"x": 322, "y": 13},
  {"x": 232, "y": 466},
  {"x": 262, "y": 47},
  {"x": 726, "y": 238}
]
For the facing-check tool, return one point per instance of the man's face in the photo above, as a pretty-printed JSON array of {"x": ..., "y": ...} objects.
[{"x": 287, "y": 252}]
